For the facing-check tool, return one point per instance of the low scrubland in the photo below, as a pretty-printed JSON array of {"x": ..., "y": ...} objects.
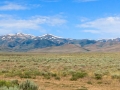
[{"x": 58, "y": 71}]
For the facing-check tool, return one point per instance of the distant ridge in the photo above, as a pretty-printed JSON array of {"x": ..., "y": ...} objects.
[
  {"x": 21, "y": 42},
  {"x": 68, "y": 48}
]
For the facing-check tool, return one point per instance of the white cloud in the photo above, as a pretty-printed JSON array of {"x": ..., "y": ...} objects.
[
  {"x": 92, "y": 31},
  {"x": 83, "y": 19},
  {"x": 108, "y": 26},
  {"x": 12, "y": 6},
  {"x": 84, "y": 0},
  {"x": 50, "y": 20},
  {"x": 8, "y": 24}
]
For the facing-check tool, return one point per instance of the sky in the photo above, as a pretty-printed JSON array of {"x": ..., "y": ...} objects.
[{"x": 78, "y": 19}]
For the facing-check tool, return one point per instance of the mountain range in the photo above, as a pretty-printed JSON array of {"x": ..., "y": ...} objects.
[{"x": 21, "y": 42}]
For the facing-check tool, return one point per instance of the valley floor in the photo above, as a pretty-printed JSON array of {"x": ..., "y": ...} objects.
[
  {"x": 81, "y": 84},
  {"x": 63, "y": 71}
]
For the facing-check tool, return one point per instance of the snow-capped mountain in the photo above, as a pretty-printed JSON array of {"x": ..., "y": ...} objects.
[
  {"x": 17, "y": 35},
  {"x": 49, "y": 37},
  {"x": 26, "y": 42}
]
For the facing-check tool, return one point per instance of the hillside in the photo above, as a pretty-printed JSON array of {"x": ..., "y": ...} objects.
[
  {"x": 67, "y": 48},
  {"x": 20, "y": 42}
]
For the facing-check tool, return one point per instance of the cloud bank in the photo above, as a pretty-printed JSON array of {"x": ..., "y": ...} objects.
[
  {"x": 8, "y": 24},
  {"x": 106, "y": 26},
  {"x": 12, "y": 6}
]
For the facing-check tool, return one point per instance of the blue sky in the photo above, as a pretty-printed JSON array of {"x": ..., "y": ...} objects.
[{"x": 79, "y": 19}]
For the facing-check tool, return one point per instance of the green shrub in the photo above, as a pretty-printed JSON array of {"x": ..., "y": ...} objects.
[
  {"x": 4, "y": 71},
  {"x": 6, "y": 83},
  {"x": 10, "y": 88},
  {"x": 15, "y": 82},
  {"x": 115, "y": 76},
  {"x": 89, "y": 82},
  {"x": 9, "y": 74},
  {"x": 57, "y": 78},
  {"x": 46, "y": 75},
  {"x": 53, "y": 74},
  {"x": 28, "y": 85},
  {"x": 64, "y": 74},
  {"x": 25, "y": 75},
  {"x": 14, "y": 85},
  {"x": 99, "y": 82},
  {"x": 77, "y": 75},
  {"x": 98, "y": 76},
  {"x": 4, "y": 88}
]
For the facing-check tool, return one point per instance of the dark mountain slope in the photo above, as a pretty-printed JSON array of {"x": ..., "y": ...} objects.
[{"x": 49, "y": 43}]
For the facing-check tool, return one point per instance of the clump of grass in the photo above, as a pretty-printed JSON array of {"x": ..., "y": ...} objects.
[
  {"x": 53, "y": 74},
  {"x": 57, "y": 78},
  {"x": 15, "y": 82},
  {"x": 64, "y": 74},
  {"x": 89, "y": 82},
  {"x": 28, "y": 85},
  {"x": 8, "y": 83},
  {"x": 14, "y": 85},
  {"x": 23, "y": 74},
  {"x": 116, "y": 76},
  {"x": 4, "y": 71},
  {"x": 46, "y": 75},
  {"x": 49, "y": 75},
  {"x": 98, "y": 76},
  {"x": 10, "y": 88},
  {"x": 77, "y": 75},
  {"x": 99, "y": 82}
]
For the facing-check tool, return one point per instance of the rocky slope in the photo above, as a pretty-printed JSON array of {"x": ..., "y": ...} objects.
[{"x": 20, "y": 42}]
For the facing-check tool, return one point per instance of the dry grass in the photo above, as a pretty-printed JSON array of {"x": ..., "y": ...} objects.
[{"x": 54, "y": 71}]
